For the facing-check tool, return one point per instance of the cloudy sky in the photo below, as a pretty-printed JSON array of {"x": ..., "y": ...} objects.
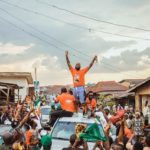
[{"x": 34, "y": 34}]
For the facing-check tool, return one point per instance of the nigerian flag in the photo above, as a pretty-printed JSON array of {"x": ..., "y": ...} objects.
[
  {"x": 37, "y": 103},
  {"x": 46, "y": 140},
  {"x": 93, "y": 133}
]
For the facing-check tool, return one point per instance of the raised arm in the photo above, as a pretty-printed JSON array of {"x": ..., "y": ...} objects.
[
  {"x": 121, "y": 133},
  {"x": 25, "y": 119},
  {"x": 68, "y": 61},
  {"x": 92, "y": 62}
]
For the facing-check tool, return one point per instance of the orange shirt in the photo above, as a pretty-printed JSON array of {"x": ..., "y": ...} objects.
[
  {"x": 91, "y": 103},
  {"x": 78, "y": 76},
  {"x": 67, "y": 102},
  {"x": 28, "y": 135},
  {"x": 128, "y": 132}
]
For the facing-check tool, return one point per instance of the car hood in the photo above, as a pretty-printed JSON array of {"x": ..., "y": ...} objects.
[{"x": 60, "y": 144}]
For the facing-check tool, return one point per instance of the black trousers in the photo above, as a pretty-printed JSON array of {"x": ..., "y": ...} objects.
[{"x": 59, "y": 114}]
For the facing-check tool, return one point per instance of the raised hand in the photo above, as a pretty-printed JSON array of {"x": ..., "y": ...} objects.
[
  {"x": 95, "y": 58},
  {"x": 66, "y": 52}
]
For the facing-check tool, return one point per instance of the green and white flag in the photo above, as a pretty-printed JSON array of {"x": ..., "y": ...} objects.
[
  {"x": 37, "y": 103},
  {"x": 93, "y": 133}
]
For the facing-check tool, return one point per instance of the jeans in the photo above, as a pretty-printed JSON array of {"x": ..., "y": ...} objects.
[{"x": 79, "y": 94}]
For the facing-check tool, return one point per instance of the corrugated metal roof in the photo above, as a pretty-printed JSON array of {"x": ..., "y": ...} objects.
[
  {"x": 55, "y": 89},
  {"x": 26, "y": 75},
  {"x": 105, "y": 86},
  {"x": 139, "y": 85},
  {"x": 10, "y": 85},
  {"x": 132, "y": 81}
]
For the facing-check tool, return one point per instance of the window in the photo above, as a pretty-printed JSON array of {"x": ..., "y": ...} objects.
[
  {"x": 45, "y": 111},
  {"x": 63, "y": 130}
]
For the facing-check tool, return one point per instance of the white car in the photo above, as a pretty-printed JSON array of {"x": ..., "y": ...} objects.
[
  {"x": 45, "y": 113},
  {"x": 3, "y": 130},
  {"x": 65, "y": 127}
]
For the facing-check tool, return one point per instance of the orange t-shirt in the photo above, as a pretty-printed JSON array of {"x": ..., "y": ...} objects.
[
  {"x": 28, "y": 135},
  {"x": 91, "y": 104},
  {"x": 67, "y": 102},
  {"x": 78, "y": 76},
  {"x": 128, "y": 132}
]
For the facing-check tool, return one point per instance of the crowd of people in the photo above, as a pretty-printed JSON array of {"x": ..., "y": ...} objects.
[
  {"x": 124, "y": 127},
  {"x": 26, "y": 130},
  {"x": 123, "y": 132}
]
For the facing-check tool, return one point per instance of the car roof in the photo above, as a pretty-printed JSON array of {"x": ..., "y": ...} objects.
[
  {"x": 45, "y": 107},
  {"x": 76, "y": 119}
]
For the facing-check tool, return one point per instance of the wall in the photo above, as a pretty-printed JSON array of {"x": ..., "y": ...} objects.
[
  {"x": 141, "y": 95},
  {"x": 20, "y": 82},
  {"x": 144, "y": 89}
]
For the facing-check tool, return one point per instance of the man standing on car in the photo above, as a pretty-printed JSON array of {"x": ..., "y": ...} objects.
[{"x": 78, "y": 75}]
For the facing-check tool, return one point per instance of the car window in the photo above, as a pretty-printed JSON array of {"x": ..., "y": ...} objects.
[
  {"x": 63, "y": 130},
  {"x": 45, "y": 111}
]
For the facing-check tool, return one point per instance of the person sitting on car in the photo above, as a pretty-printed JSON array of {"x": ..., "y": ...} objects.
[{"x": 68, "y": 106}]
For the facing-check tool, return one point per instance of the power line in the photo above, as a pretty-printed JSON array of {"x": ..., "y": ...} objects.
[
  {"x": 73, "y": 25},
  {"x": 44, "y": 15},
  {"x": 37, "y": 37},
  {"x": 29, "y": 33},
  {"x": 116, "y": 69},
  {"x": 91, "y": 18},
  {"x": 45, "y": 34},
  {"x": 106, "y": 64}
]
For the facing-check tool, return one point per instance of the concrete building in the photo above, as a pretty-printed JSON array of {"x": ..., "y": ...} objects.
[
  {"x": 142, "y": 93},
  {"x": 108, "y": 90},
  {"x": 21, "y": 79}
]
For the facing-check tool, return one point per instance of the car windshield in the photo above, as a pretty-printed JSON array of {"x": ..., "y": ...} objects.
[
  {"x": 45, "y": 111},
  {"x": 63, "y": 130}
]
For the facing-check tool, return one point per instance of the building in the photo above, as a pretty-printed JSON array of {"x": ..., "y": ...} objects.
[
  {"x": 130, "y": 82},
  {"x": 53, "y": 89},
  {"x": 106, "y": 87},
  {"x": 109, "y": 90},
  {"x": 7, "y": 93},
  {"x": 21, "y": 79},
  {"x": 142, "y": 93}
]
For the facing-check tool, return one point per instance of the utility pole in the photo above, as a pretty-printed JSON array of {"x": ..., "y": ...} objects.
[
  {"x": 36, "y": 83},
  {"x": 35, "y": 71}
]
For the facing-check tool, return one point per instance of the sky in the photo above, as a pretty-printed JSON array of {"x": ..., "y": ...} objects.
[{"x": 35, "y": 34}]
